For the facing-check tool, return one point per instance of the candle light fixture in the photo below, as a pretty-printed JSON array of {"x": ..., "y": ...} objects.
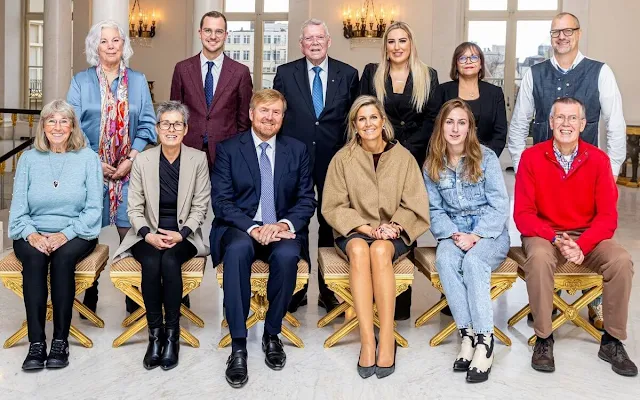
[
  {"x": 366, "y": 21},
  {"x": 140, "y": 31}
]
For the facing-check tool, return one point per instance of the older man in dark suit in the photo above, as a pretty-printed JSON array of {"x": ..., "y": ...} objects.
[
  {"x": 216, "y": 89},
  {"x": 319, "y": 91},
  {"x": 263, "y": 200}
]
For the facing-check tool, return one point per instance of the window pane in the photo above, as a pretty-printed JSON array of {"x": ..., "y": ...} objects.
[
  {"x": 275, "y": 50},
  {"x": 36, "y": 6},
  {"x": 276, "y": 5},
  {"x": 491, "y": 36},
  {"x": 240, "y": 6},
  {"x": 477, "y": 5},
  {"x": 533, "y": 45},
  {"x": 234, "y": 49},
  {"x": 537, "y": 4}
]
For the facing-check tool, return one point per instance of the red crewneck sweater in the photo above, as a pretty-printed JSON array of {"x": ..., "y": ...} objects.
[{"x": 548, "y": 201}]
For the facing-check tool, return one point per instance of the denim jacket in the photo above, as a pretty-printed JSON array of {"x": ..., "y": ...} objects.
[{"x": 456, "y": 205}]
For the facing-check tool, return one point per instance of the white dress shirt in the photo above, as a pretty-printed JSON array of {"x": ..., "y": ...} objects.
[
  {"x": 324, "y": 65},
  {"x": 271, "y": 151},
  {"x": 610, "y": 113},
  {"x": 215, "y": 70}
]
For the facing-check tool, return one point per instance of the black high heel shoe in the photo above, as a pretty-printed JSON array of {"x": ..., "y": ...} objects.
[
  {"x": 383, "y": 372},
  {"x": 366, "y": 372}
]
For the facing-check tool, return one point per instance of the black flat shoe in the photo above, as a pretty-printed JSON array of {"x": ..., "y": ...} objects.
[
  {"x": 236, "y": 373},
  {"x": 298, "y": 300},
  {"x": 383, "y": 372},
  {"x": 154, "y": 350},
  {"x": 328, "y": 302},
  {"x": 171, "y": 349},
  {"x": 36, "y": 357},
  {"x": 59, "y": 354},
  {"x": 91, "y": 298},
  {"x": 275, "y": 357}
]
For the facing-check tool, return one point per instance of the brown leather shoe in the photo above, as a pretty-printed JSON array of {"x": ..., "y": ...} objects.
[
  {"x": 542, "y": 359},
  {"x": 614, "y": 353}
]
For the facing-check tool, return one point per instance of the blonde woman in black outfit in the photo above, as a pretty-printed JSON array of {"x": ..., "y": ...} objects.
[{"x": 403, "y": 84}]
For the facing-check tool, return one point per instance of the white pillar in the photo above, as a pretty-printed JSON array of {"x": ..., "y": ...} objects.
[
  {"x": 57, "y": 50},
  {"x": 117, "y": 10},
  {"x": 201, "y": 7}
]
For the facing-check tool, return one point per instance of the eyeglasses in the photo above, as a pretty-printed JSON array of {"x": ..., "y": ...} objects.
[
  {"x": 311, "y": 39},
  {"x": 208, "y": 32},
  {"x": 573, "y": 119},
  {"x": 65, "y": 123},
  {"x": 567, "y": 32},
  {"x": 465, "y": 59},
  {"x": 177, "y": 126}
]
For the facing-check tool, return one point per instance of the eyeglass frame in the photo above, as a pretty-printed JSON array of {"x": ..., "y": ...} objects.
[
  {"x": 318, "y": 38},
  {"x": 172, "y": 125},
  {"x": 47, "y": 122},
  {"x": 469, "y": 58},
  {"x": 218, "y": 32},
  {"x": 571, "y": 119},
  {"x": 564, "y": 31}
]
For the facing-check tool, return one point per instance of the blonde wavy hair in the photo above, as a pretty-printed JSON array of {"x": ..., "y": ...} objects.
[
  {"x": 435, "y": 162},
  {"x": 353, "y": 139},
  {"x": 76, "y": 140},
  {"x": 419, "y": 70}
]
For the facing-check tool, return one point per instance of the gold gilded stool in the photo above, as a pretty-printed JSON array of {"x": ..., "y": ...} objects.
[
  {"x": 335, "y": 270},
  {"x": 259, "y": 304},
  {"x": 570, "y": 277},
  {"x": 502, "y": 279},
  {"x": 126, "y": 275},
  {"x": 87, "y": 271}
]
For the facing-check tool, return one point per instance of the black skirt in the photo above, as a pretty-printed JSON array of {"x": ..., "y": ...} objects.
[{"x": 400, "y": 247}]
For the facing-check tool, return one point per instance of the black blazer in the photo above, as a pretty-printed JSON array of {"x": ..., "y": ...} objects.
[
  {"x": 489, "y": 111},
  {"x": 325, "y": 135},
  {"x": 235, "y": 188},
  {"x": 408, "y": 125}
]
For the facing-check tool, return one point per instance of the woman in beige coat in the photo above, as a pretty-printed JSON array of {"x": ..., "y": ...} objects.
[
  {"x": 375, "y": 200},
  {"x": 169, "y": 195}
]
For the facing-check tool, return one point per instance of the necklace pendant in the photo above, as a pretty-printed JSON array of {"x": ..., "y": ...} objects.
[{"x": 56, "y": 183}]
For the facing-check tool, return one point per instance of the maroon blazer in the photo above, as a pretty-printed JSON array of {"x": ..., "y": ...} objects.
[{"x": 229, "y": 111}]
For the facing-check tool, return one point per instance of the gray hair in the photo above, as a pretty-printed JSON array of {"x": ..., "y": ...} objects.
[
  {"x": 568, "y": 100},
  {"x": 171, "y": 106},
  {"x": 92, "y": 42},
  {"x": 314, "y": 21}
]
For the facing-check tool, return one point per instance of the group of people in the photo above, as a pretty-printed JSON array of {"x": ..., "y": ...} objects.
[{"x": 390, "y": 156}]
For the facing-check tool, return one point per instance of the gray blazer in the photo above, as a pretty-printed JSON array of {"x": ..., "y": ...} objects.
[{"x": 194, "y": 195}]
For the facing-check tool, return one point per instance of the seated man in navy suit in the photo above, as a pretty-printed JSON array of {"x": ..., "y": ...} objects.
[{"x": 263, "y": 198}]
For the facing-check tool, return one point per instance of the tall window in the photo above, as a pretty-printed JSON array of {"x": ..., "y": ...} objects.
[
  {"x": 514, "y": 35},
  {"x": 261, "y": 21},
  {"x": 34, "y": 54}
]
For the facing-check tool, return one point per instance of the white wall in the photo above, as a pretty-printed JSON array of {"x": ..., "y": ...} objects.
[{"x": 13, "y": 33}]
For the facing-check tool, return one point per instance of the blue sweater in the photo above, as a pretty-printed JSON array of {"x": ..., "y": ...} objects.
[{"x": 73, "y": 208}]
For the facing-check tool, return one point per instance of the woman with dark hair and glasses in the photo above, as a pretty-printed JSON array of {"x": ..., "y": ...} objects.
[
  {"x": 169, "y": 194},
  {"x": 486, "y": 100}
]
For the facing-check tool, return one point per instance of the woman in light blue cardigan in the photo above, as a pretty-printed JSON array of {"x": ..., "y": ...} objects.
[
  {"x": 54, "y": 219},
  {"x": 114, "y": 106}
]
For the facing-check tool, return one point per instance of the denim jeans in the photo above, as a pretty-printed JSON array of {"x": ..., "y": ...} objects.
[{"x": 466, "y": 279}]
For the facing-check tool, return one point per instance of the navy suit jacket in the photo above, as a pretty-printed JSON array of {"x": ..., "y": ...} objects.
[
  {"x": 324, "y": 135},
  {"x": 235, "y": 188}
]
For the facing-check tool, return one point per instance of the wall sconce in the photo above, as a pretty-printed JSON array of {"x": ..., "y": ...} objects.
[
  {"x": 142, "y": 32},
  {"x": 368, "y": 22}
]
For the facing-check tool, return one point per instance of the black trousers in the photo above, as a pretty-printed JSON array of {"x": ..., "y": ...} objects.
[
  {"x": 239, "y": 252},
  {"x": 35, "y": 267},
  {"x": 162, "y": 280}
]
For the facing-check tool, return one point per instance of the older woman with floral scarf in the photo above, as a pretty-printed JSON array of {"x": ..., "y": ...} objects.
[{"x": 114, "y": 106}]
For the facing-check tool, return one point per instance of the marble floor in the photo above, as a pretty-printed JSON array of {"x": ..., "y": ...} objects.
[{"x": 315, "y": 372}]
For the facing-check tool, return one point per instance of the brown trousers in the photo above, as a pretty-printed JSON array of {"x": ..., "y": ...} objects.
[{"x": 608, "y": 258}]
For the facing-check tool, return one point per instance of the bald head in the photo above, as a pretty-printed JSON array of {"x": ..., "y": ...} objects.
[{"x": 567, "y": 15}]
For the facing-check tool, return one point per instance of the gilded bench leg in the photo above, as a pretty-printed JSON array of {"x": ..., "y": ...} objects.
[
  {"x": 430, "y": 313},
  {"x": 82, "y": 338},
  {"x": 501, "y": 336},
  {"x": 133, "y": 317},
  {"x": 333, "y": 314},
  {"x": 16, "y": 337},
  {"x": 293, "y": 321},
  {"x": 132, "y": 330},
  {"x": 340, "y": 333},
  {"x": 286, "y": 332},
  {"x": 519, "y": 315},
  {"x": 189, "y": 338},
  {"x": 87, "y": 313},
  {"x": 442, "y": 335},
  {"x": 224, "y": 324},
  {"x": 191, "y": 316},
  {"x": 251, "y": 321}
]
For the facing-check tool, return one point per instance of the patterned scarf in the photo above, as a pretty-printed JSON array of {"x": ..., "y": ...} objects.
[{"x": 115, "y": 143}]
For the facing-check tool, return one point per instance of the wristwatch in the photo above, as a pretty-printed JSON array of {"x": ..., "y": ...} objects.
[{"x": 130, "y": 158}]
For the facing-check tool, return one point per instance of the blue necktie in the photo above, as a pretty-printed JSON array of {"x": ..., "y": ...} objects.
[
  {"x": 267, "y": 197},
  {"x": 316, "y": 93},
  {"x": 208, "y": 84}
]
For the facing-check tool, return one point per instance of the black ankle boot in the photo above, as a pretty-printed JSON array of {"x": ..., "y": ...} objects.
[
  {"x": 154, "y": 350},
  {"x": 171, "y": 349}
]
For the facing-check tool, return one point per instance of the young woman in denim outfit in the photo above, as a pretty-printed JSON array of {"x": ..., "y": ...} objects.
[{"x": 469, "y": 208}]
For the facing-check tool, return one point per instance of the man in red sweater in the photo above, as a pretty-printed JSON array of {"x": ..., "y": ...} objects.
[{"x": 565, "y": 209}]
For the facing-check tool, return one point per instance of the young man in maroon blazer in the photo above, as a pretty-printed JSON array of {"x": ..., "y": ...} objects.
[{"x": 216, "y": 89}]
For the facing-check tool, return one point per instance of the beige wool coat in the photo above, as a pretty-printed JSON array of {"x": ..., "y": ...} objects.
[
  {"x": 355, "y": 194},
  {"x": 143, "y": 205}
]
